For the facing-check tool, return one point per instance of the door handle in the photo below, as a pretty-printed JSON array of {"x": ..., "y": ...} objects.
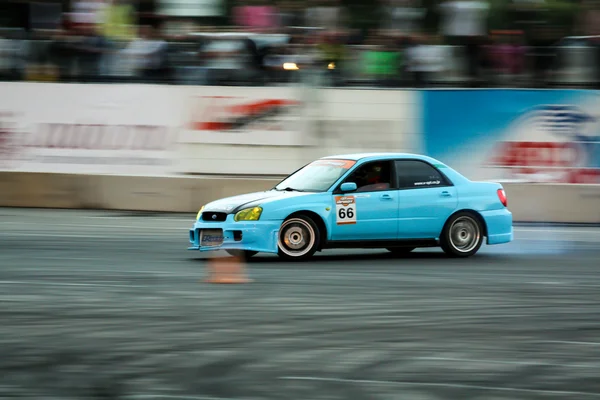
[
  {"x": 386, "y": 197},
  {"x": 446, "y": 194}
]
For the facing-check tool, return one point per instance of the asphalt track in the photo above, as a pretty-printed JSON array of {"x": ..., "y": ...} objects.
[{"x": 112, "y": 306}]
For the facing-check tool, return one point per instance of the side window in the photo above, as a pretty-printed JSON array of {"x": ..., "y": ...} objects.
[
  {"x": 415, "y": 174},
  {"x": 372, "y": 177}
]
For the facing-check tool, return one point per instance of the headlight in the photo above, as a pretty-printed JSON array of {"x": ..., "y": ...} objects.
[
  {"x": 199, "y": 213},
  {"x": 249, "y": 214}
]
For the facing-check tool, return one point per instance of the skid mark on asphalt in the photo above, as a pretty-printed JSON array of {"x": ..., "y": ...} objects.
[{"x": 443, "y": 385}]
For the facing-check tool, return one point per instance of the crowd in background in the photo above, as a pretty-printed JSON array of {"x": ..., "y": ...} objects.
[{"x": 319, "y": 41}]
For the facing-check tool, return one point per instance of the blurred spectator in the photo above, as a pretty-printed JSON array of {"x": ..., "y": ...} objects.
[
  {"x": 588, "y": 24},
  {"x": 382, "y": 61},
  {"x": 61, "y": 53},
  {"x": 89, "y": 50},
  {"x": 290, "y": 14},
  {"x": 332, "y": 50},
  {"x": 255, "y": 15},
  {"x": 12, "y": 57},
  {"x": 426, "y": 60},
  {"x": 88, "y": 12},
  {"x": 464, "y": 23},
  {"x": 342, "y": 42},
  {"x": 6, "y": 55},
  {"x": 542, "y": 40},
  {"x": 507, "y": 53},
  {"x": 118, "y": 21},
  {"x": 118, "y": 26},
  {"x": 329, "y": 15},
  {"x": 588, "y": 20},
  {"x": 149, "y": 52},
  {"x": 525, "y": 15},
  {"x": 401, "y": 17}
]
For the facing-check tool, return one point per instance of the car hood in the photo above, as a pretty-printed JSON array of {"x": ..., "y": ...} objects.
[{"x": 236, "y": 203}]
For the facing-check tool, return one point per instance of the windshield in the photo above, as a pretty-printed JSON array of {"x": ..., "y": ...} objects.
[{"x": 317, "y": 176}]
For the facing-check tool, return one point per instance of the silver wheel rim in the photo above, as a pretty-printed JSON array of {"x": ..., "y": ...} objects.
[
  {"x": 296, "y": 237},
  {"x": 464, "y": 234}
]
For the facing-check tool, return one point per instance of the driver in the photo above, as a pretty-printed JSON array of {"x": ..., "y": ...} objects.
[{"x": 372, "y": 177}]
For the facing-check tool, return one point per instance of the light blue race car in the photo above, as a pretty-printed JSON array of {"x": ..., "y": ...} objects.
[{"x": 394, "y": 201}]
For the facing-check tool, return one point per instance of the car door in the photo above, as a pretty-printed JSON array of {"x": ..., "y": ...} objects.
[
  {"x": 426, "y": 199},
  {"x": 370, "y": 212}
]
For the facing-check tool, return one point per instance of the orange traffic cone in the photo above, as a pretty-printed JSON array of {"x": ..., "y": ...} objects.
[{"x": 230, "y": 270}]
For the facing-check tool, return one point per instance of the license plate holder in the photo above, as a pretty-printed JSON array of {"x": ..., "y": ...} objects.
[{"x": 211, "y": 237}]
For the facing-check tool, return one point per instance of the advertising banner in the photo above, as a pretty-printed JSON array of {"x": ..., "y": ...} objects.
[
  {"x": 518, "y": 135},
  {"x": 276, "y": 130},
  {"x": 89, "y": 129},
  {"x": 355, "y": 121},
  {"x": 162, "y": 130},
  {"x": 256, "y": 116}
]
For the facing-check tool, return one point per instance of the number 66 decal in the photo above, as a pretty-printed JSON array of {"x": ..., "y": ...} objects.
[{"x": 345, "y": 210}]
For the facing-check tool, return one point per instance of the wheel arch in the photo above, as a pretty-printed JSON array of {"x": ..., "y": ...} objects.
[
  {"x": 474, "y": 213},
  {"x": 318, "y": 220}
]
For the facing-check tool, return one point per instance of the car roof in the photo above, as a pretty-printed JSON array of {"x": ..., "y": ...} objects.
[
  {"x": 377, "y": 156},
  {"x": 452, "y": 174}
]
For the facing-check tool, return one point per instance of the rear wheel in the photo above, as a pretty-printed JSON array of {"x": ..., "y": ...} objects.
[
  {"x": 400, "y": 251},
  {"x": 299, "y": 238},
  {"x": 242, "y": 253},
  {"x": 462, "y": 236}
]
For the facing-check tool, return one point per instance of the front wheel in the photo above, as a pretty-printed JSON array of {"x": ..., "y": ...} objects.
[
  {"x": 299, "y": 238},
  {"x": 462, "y": 236}
]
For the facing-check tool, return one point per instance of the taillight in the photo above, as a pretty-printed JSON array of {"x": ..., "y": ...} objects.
[{"x": 502, "y": 197}]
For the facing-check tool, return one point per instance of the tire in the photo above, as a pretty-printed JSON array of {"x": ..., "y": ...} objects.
[
  {"x": 299, "y": 238},
  {"x": 245, "y": 254},
  {"x": 462, "y": 235},
  {"x": 400, "y": 251}
]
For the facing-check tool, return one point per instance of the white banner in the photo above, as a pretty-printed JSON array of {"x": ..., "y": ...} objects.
[
  {"x": 89, "y": 129},
  {"x": 354, "y": 121},
  {"x": 271, "y": 126},
  {"x": 263, "y": 116},
  {"x": 162, "y": 130}
]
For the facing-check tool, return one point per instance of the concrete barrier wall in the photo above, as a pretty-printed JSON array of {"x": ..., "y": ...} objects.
[
  {"x": 167, "y": 194},
  {"x": 528, "y": 202},
  {"x": 565, "y": 203}
]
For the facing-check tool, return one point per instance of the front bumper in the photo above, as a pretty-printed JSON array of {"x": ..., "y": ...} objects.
[{"x": 260, "y": 236}]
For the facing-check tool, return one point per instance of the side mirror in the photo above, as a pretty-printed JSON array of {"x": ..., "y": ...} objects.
[{"x": 348, "y": 187}]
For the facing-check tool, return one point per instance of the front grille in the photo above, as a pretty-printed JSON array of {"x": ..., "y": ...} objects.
[{"x": 211, "y": 216}]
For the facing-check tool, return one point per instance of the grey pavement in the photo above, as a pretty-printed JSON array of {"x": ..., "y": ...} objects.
[{"x": 98, "y": 305}]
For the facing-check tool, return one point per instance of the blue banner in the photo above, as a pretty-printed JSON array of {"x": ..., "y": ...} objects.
[{"x": 534, "y": 135}]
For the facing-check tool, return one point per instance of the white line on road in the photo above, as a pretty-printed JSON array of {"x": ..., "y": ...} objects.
[
  {"x": 97, "y": 226},
  {"x": 119, "y": 272},
  {"x": 572, "y": 342},
  {"x": 188, "y": 220},
  {"x": 50, "y": 235},
  {"x": 587, "y": 231},
  {"x": 40, "y": 257},
  {"x": 173, "y": 396},
  {"x": 436, "y": 384},
  {"x": 566, "y": 284},
  {"x": 66, "y": 284},
  {"x": 525, "y": 363}
]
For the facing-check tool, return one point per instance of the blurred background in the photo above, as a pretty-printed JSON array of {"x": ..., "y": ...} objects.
[{"x": 384, "y": 43}]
